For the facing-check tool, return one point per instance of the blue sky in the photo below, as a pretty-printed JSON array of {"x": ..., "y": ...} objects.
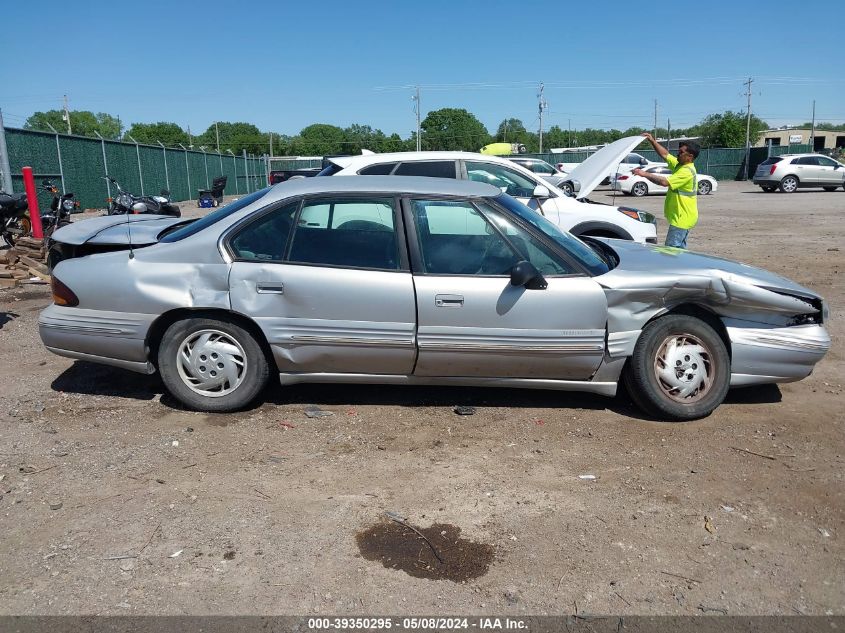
[{"x": 283, "y": 65}]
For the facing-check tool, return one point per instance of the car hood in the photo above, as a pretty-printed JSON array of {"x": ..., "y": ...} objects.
[
  {"x": 666, "y": 276},
  {"x": 602, "y": 164},
  {"x": 116, "y": 229}
]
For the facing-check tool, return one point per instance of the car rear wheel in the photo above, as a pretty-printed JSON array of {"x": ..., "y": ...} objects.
[
  {"x": 789, "y": 184},
  {"x": 212, "y": 364},
  {"x": 566, "y": 187},
  {"x": 704, "y": 187},
  {"x": 639, "y": 189},
  {"x": 680, "y": 369}
]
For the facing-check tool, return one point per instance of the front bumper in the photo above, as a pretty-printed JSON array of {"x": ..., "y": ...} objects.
[
  {"x": 109, "y": 338},
  {"x": 775, "y": 354}
]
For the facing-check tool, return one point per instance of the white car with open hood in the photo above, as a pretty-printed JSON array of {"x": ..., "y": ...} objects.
[{"x": 574, "y": 213}]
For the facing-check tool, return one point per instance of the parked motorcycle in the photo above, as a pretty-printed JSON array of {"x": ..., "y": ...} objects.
[
  {"x": 125, "y": 202},
  {"x": 14, "y": 220},
  {"x": 60, "y": 208}
]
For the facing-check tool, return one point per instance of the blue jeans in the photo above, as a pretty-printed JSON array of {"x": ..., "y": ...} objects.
[{"x": 677, "y": 237}]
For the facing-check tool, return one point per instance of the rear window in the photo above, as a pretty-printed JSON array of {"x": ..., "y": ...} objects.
[
  {"x": 330, "y": 170},
  {"x": 772, "y": 160},
  {"x": 215, "y": 216}
]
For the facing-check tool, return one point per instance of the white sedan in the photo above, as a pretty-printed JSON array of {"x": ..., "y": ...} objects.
[{"x": 629, "y": 184}]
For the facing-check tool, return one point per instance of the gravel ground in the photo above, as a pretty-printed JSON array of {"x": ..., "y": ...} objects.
[{"x": 114, "y": 500}]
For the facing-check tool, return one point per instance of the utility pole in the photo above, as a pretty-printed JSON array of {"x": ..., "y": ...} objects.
[
  {"x": 67, "y": 116},
  {"x": 569, "y": 127},
  {"x": 747, "y": 128},
  {"x": 190, "y": 138},
  {"x": 542, "y": 105},
  {"x": 668, "y": 132},
  {"x": 416, "y": 99},
  {"x": 271, "y": 145},
  {"x": 813, "y": 130},
  {"x": 654, "y": 132},
  {"x": 217, "y": 132}
]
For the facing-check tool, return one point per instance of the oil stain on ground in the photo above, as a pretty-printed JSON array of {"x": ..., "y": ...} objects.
[{"x": 397, "y": 546}]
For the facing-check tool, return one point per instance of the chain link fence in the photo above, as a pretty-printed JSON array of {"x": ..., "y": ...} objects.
[{"x": 79, "y": 164}]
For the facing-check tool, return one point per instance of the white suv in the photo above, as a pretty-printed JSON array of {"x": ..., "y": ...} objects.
[{"x": 574, "y": 213}]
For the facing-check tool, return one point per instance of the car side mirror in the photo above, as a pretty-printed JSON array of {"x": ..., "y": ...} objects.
[
  {"x": 139, "y": 207},
  {"x": 541, "y": 191},
  {"x": 643, "y": 161},
  {"x": 525, "y": 274}
]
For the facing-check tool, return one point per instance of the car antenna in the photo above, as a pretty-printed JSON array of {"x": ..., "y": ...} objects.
[{"x": 128, "y": 224}]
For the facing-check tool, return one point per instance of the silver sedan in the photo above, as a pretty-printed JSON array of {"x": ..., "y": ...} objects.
[{"x": 418, "y": 281}]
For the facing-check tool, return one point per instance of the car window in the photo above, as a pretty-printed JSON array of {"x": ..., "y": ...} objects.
[
  {"x": 809, "y": 160},
  {"x": 772, "y": 160},
  {"x": 827, "y": 162},
  {"x": 355, "y": 233},
  {"x": 382, "y": 169},
  {"x": 632, "y": 159},
  {"x": 456, "y": 239},
  {"x": 432, "y": 169},
  {"x": 508, "y": 180},
  {"x": 542, "y": 168},
  {"x": 265, "y": 238}
]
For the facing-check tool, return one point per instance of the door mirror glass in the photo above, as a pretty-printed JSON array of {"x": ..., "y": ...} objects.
[
  {"x": 525, "y": 274},
  {"x": 541, "y": 191},
  {"x": 643, "y": 161}
]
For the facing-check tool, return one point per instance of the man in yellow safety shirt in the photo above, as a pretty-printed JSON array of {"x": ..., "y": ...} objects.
[{"x": 681, "y": 205}]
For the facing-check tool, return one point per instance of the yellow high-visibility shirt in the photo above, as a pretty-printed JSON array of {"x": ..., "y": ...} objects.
[{"x": 681, "y": 206}]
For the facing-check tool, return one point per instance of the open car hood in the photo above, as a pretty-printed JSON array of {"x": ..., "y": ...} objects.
[
  {"x": 602, "y": 164},
  {"x": 116, "y": 229}
]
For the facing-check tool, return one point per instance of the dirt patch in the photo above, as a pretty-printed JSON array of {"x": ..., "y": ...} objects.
[{"x": 399, "y": 547}]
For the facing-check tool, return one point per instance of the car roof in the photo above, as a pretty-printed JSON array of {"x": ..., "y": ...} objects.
[
  {"x": 416, "y": 185},
  {"x": 371, "y": 159}
]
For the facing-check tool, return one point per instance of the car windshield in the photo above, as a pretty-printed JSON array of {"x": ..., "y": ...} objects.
[
  {"x": 215, "y": 216},
  {"x": 580, "y": 251}
]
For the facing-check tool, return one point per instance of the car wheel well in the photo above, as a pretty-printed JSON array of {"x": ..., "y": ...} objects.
[
  {"x": 700, "y": 312},
  {"x": 600, "y": 229},
  {"x": 160, "y": 325}
]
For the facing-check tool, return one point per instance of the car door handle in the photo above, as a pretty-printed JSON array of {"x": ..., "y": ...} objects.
[
  {"x": 269, "y": 287},
  {"x": 449, "y": 301}
]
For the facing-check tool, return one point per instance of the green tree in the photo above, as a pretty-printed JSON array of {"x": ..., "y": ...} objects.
[
  {"x": 237, "y": 137},
  {"x": 453, "y": 129},
  {"x": 728, "y": 129},
  {"x": 510, "y": 131},
  {"x": 319, "y": 139},
  {"x": 82, "y": 122},
  {"x": 151, "y": 133}
]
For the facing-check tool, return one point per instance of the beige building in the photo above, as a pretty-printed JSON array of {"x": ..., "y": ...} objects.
[{"x": 823, "y": 139}]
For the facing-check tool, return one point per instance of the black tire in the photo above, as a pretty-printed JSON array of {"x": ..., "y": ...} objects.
[
  {"x": 829, "y": 188},
  {"x": 566, "y": 187},
  {"x": 639, "y": 189},
  {"x": 768, "y": 189},
  {"x": 789, "y": 184},
  {"x": 245, "y": 365},
  {"x": 704, "y": 188},
  {"x": 705, "y": 356}
]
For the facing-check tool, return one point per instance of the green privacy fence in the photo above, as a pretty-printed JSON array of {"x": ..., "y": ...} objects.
[
  {"x": 78, "y": 164},
  {"x": 723, "y": 163}
]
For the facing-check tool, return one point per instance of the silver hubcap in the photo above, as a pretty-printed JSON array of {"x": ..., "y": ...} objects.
[
  {"x": 684, "y": 368},
  {"x": 789, "y": 185},
  {"x": 211, "y": 363},
  {"x": 704, "y": 188},
  {"x": 639, "y": 189}
]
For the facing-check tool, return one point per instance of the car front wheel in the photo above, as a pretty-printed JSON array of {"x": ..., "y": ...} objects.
[
  {"x": 212, "y": 364},
  {"x": 789, "y": 184},
  {"x": 704, "y": 188},
  {"x": 680, "y": 369}
]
